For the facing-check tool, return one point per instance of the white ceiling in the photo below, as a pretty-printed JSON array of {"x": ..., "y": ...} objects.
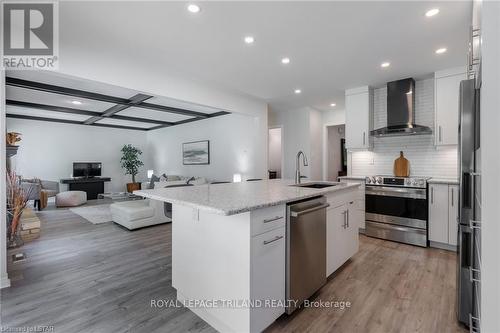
[
  {"x": 45, "y": 114},
  {"x": 119, "y": 122},
  {"x": 332, "y": 45},
  {"x": 39, "y": 97},
  {"x": 152, "y": 114}
]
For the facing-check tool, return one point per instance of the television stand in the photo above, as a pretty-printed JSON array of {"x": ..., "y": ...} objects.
[{"x": 92, "y": 186}]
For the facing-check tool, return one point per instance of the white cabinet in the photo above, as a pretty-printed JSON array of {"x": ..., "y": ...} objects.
[
  {"x": 360, "y": 200},
  {"x": 335, "y": 220},
  {"x": 443, "y": 213},
  {"x": 446, "y": 105},
  {"x": 266, "y": 219},
  {"x": 342, "y": 237},
  {"x": 267, "y": 276},
  {"x": 359, "y": 118},
  {"x": 351, "y": 232},
  {"x": 438, "y": 213}
]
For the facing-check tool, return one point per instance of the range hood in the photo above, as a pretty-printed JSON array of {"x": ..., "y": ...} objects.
[{"x": 400, "y": 111}]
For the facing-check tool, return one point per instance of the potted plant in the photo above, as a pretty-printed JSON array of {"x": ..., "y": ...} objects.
[{"x": 131, "y": 162}]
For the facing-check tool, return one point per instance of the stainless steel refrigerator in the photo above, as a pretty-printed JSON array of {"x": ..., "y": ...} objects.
[{"x": 469, "y": 232}]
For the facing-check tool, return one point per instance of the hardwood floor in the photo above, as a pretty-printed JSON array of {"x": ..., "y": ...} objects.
[{"x": 81, "y": 277}]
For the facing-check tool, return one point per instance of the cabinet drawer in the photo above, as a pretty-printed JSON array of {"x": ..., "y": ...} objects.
[
  {"x": 266, "y": 219},
  {"x": 337, "y": 199},
  {"x": 268, "y": 277}
]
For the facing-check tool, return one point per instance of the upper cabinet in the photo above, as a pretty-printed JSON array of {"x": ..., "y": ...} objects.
[
  {"x": 446, "y": 105},
  {"x": 359, "y": 118}
]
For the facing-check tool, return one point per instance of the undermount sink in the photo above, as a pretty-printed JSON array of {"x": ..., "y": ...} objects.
[{"x": 316, "y": 185}]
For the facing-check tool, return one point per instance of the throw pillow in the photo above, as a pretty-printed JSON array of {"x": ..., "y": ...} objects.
[
  {"x": 163, "y": 184},
  {"x": 198, "y": 181},
  {"x": 173, "y": 178}
]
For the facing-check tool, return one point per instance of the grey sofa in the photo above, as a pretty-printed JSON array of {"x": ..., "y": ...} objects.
[{"x": 34, "y": 188}]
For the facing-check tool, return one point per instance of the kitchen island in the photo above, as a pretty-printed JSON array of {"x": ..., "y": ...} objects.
[{"x": 229, "y": 246}]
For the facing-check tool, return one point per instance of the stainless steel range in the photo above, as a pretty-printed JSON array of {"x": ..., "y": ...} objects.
[{"x": 397, "y": 209}]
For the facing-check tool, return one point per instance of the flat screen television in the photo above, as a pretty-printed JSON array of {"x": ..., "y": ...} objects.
[{"x": 87, "y": 169}]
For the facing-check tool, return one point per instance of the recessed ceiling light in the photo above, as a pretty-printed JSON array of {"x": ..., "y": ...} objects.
[
  {"x": 333, "y": 104},
  {"x": 285, "y": 61},
  {"x": 193, "y": 8},
  {"x": 249, "y": 39},
  {"x": 297, "y": 91},
  {"x": 385, "y": 64},
  {"x": 441, "y": 50},
  {"x": 76, "y": 102},
  {"x": 432, "y": 12}
]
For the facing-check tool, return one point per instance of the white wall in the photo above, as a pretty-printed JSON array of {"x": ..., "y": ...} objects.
[
  {"x": 316, "y": 144},
  {"x": 48, "y": 150},
  {"x": 425, "y": 159},
  {"x": 330, "y": 118},
  {"x": 275, "y": 154},
  {"x": 490, "y": 154},
  {"x": 334, "y": 117},
  {"x": 296, "y": 136},
  {"x": 334, "y": 153},
  {"x": 234, "y": 148},
  {"x": 4, "y": 279},
  {"x": 305, "y": 129}
]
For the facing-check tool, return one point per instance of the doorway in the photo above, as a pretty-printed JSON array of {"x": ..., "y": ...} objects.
[
  {"x": 275, "y": 152},
  {"x": 336, "y": 154}
]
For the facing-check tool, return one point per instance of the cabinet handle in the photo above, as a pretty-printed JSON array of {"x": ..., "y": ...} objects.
[
  {"x": 272, "y": 219},
  {"x": 440, "y": 134},
  {"x": 364, "y": 138},
  {"x": 474, "y": 323},
  {"x": 452, "y": 197},
  {"x": 474, "y": 224},
  {"x": 347, "y": 218},
  {"x": 432, "y": 195},
  {"x": 473, "y": 272},
  {"x": 272, "y": 240}
]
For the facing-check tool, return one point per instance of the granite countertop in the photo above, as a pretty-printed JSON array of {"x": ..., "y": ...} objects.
[
  {"x": 437, "y": 180},
  {"x": 235, "y": 198}
]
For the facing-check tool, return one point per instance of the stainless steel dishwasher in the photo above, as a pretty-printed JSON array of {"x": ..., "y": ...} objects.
[{"x": 305, "y": 250}]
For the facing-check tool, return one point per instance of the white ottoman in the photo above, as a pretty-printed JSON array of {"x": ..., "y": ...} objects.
[
  {"x": 71, "y": 198},
  {"x": 138, "y": 213}
]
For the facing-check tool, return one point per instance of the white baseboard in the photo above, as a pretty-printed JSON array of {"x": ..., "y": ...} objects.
[
  {"x": 4, "y": 282},
  {"x": 443, "y": 246}
]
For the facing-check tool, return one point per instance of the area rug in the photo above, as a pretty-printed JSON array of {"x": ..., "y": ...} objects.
[{"x": 94, "y": 214}]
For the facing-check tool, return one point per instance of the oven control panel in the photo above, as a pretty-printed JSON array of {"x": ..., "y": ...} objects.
[{"x": 419, "y": 182}]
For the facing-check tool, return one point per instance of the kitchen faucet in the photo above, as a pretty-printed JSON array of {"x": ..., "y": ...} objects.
[{"x": 297, "y": 166}]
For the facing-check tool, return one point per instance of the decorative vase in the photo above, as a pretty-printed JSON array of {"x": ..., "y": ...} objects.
[{"x": 13, "y": 238}]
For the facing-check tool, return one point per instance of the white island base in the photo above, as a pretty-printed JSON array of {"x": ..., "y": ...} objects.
[{"x": 218, "y": 258}]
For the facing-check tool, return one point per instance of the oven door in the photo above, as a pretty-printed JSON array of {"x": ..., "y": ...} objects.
[{"x": 396, "y": 205}]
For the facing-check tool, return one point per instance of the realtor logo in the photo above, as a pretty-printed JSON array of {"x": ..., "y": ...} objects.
[{"x": 30, "y": 35}]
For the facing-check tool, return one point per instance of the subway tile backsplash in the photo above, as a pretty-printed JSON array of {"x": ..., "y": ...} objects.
[{"x": 425, "y": 159}]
